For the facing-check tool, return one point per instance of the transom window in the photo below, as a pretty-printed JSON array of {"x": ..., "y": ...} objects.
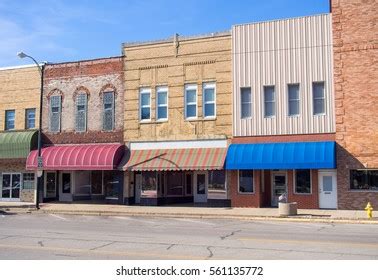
[
  {"x": 55, "y": 109},
  {"x": 246, "y": 102},
  {"x": 303, "y": 181},
  {"x": 10, "y": 116},
  {"x": 269, "y": 102},
  {"x": 293, "y": 99},
  {"x": 145, "y": 104},
  {"x": 190, "y": 101},
  {"x": 246, "y": 181},
  {"x": 81, "y": 112},
  {"x": 162, "y": 103},
  {"x": 209, "y": 108},
  {"x": 108, "y": 114},
  {"x": 318, "y": 98}
]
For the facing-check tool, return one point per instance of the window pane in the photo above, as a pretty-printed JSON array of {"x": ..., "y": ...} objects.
[
  {"x": 319, "y": 106},
  {"x": 191, "y": 111},
  {"x": 327, "y": 183},
  {"x": 145, "y": 99},
  {"x": 162, "y": 112},
  {"x": 112, "y": 183},
  {"x": 245, "y": 181},
  {"x": 246, "y": 110},
  {"x": 175, "y": 184},
  {"x": 50, "y": 184},
  {"x": 191, "y": 96},
  {"x": 217, "y": 179},
  {"x": 96, "y": 182},
  {"x": 81, "y": 112},
  {"x": 189, "y": 183},
  {"x": 28, "y": 181},
  {"x": 245, "y": 95},
  {"x": 269, "y": 109},
  {"x": 269, "y": 93},
  {"x": 293, "y": 92},
  {"x": 9, "y": 119},
  {"x": 209, "y": 110},
  {"x": 30, "y": 118},
  {"x": 145, "y": 114},
  {"x": 55, "y": 103},
  {"x": 303, "y": 181},
  {"x": 162, "y": 98},
  {"x": 209, "y": 95},
  {"x": 294, "y": 107},
  {"x": 364, "y": 180},
  {"x": 318, "y": 90}
]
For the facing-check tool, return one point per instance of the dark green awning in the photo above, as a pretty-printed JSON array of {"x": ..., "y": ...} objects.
[{"x": 17, "y": 144}]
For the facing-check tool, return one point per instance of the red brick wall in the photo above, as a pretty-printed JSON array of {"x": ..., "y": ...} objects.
[
  {"x": 245, "y": 200},
  {"x": 305, "y": 201},
  {"x": 285, "y": 138},
  {"x": 355, "y": 74}
]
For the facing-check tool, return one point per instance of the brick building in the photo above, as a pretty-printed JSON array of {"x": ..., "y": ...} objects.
[
  {"x": 355, "y": 44},
  {"x": 19, "y": 104},
  {"x": 82, "y": 131},
  {"x": 283, "y": 114},
  {"x": 178, "y": 119}
]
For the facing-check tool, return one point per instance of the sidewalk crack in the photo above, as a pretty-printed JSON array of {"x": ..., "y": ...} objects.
[
  {"x": 230, "y": 234},
  {"x": 170, "y": 246},
  {"x": 211, "y": 254},
  {"x": 102, "y": 246}
]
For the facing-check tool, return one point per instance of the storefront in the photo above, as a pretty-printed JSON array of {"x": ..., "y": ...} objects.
[
  {"x": 177, "y": 172},
  {"x": 262, "y": 172},
  {"x": 16, "y": 184},
  {"x": 81, "y": 172}
]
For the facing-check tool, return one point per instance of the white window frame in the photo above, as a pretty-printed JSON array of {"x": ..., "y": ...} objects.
[
  {"x": 59, "y": 113},
  {"x": 295, "y": 183},
  {"x": 191, "y": 87},
  {"x": 143, "y": 91},
  {"x": 253, "y": 181},
  {"x": 209, "y": 85},
  {"x": 241, "y": 103},
  {"x": 27, "y": 118},
  {"x": 85, "y": 112},
  {"x": 105, "y": 110},
  {"x": 161, "y": 89},
  {"x": 299, "y": 100},
  {"x": 273, "y": 101},
  {"x": 313, "y": 98}
]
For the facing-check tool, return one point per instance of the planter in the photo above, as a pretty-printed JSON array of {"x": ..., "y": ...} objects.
[{"x": 287, "y": 209}]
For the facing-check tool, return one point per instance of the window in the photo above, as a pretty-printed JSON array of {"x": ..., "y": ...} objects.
[
  {"x": 55, "y": 109},
  {"x": 145, "y": 104},
  {"x": 149, "y": 184},
  {"x": 96, "y": 182},
  {"x": 246, "y": 102},
  {"x": 28, "y": 181},
  {"x": 318, "y": 98},
  {"x": 162, "y": 103},
  {"x": 189, "y": 183},
  {"x": 217, "y": 180},
  {"x": 293, "y": 99},
  {"x": 246, "y": 181},
  {"x": 303, "y": 181},
  {"x": 29, "y": 118},
  {"x": 9, "y": 119},
  {"x": 364, "y": 180},
  {"x": 209, "y": 109},
  {"x": 175, "y": 184},
  {"x": 50, "y": 184},
  {"x": 108, "y": 114},
  {"x": 269, "y": 102},
  {"x": 190, "y": 101},
  {"x": 81, "y": 112}
]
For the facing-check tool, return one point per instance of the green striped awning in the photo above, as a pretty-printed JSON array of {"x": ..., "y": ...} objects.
[{"x": 17, "y": 144}]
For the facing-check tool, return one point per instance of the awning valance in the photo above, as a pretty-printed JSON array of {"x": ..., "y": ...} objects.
[
  {"x": 293, "y": 155},
  {"x": 176, "y": 159},
  {"x": 78, "y": 157},
  {"x": 17, "y": 144}
]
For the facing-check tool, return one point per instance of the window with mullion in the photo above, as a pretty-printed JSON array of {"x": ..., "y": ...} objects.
[
  {"x": 55, "y": 109},
  {"x": 108, "y": 114},
  {"x": 145, "y": 104},
  {"x": 293, "y": 99},
  {"x": 318, "y": 95},
  {"x": 81, "y": 112},
  {"x": 10, "y": 116},
  {"x": 29, "y": 118},
  {"x": 246, "y": 102},
  {"x": 209, "y": 110},
  {"x": 269, "y": 102},
  {"x": 191, "y": 101},
  {"x": 162, "y": 103}
]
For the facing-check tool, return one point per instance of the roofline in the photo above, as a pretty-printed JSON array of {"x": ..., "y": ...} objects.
[
  {"x": 281, "y": 19},
  {"x": 19, "y": 67},
  {"x": 84, "y": 60},
  {"x": 180, "y": 38}
]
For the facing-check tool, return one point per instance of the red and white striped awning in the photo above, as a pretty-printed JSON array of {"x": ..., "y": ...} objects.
[
  {"x": 78, "y": 157},
  {"x": 176, "y": 159}
]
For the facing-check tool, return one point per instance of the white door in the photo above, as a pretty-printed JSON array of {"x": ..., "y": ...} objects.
[
  {"x": 65, "y": 186},
  {"x": 200, "y": 187},
  {"x": 138, "y": 187},
  {"x": 11, "y": 186},
  {"x": 279, "y": 187},
  {"x": 327, "y": 189}
]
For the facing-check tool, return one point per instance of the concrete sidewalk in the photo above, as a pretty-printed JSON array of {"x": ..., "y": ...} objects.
[{"x": 310, "y": 215}]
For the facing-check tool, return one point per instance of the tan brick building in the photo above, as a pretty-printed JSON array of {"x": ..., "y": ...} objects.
[
  {"x": 355, "y": 43},
  {"x": 177, "y": 99},
  {"x": 19, "y": 107}
]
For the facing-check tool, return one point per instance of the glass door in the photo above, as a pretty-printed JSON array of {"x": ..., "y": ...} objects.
[
  {"x": 278, "y": 187},
  {"x": 11, "y": 186},
  {"x": 200, "y": 184}
]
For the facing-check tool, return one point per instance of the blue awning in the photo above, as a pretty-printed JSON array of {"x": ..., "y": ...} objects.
[{"x": 293, "y": 155}]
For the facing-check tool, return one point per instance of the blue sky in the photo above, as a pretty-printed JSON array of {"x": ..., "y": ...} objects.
[{"x": 68, "y": 30}]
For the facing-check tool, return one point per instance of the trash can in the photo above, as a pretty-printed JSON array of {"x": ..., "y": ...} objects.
[{"x": 287, "y": 208}]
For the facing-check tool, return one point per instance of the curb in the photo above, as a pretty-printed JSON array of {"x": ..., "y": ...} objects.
[{"x": 208, "y": 216}]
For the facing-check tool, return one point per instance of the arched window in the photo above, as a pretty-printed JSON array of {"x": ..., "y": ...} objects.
[
  {"x": 108, "y": 94},
  {"x": 55, "y": 109},
  {"x": 81, "y": 112}
]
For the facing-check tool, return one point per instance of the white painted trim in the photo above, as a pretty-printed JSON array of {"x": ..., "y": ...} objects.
[
  {"x": 141, "y": 92},
  {"x": 162, "y": 89},
  {"x": 191, "y": 87},
  {"x": 178, "y": 145},
  {"x": 209, "y": 85}
]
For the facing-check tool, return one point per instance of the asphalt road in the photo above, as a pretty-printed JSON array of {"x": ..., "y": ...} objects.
[{"x": 44, "y": 236}]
